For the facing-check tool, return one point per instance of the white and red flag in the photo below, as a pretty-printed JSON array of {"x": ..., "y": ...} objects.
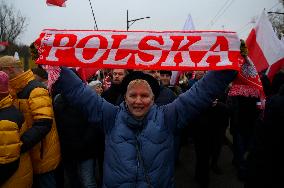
[
  {"x": 59, "y": 3},
  {"x": 3, "y": 46},
  {"x": 265, "y": 50}
]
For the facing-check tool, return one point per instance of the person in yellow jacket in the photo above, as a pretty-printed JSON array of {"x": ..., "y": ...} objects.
[
  {"x": 15, "y": 167},
  {"x": 33, "y": 100}
]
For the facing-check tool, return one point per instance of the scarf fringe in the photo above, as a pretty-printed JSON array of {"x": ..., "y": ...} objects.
[
  {"x": 53, "y": 75},
  {"x": 244, "y": 90}
]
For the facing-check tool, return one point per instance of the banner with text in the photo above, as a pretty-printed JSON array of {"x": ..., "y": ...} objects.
[{"x": 166, "y": 50}]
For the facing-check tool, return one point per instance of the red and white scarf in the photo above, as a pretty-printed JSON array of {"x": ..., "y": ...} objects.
[
  {"x": 168, "y": 50},
  {"x": 248, "y": 82}
]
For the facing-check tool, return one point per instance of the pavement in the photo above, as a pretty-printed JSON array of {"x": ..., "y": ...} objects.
[{"x": 184, "y": 173}]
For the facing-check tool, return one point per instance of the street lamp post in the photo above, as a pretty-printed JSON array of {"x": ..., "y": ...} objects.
[
  {"x": 275, "y": 12},
  {"x": 130, "y": 22}
]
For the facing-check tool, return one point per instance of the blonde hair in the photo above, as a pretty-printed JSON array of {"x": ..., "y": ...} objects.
[
  {"x": 9, "y": 61},
  {"x": 139, "y": 82}
]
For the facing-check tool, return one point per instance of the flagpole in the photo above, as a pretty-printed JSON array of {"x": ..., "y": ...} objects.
[{"x": 95, "y": 27}]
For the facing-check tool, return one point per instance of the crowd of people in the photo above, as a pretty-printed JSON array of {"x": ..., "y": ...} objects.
[{"x": 86, "y": 134}]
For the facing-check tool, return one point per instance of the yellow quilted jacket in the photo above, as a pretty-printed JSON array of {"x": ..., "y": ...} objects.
[
  {"x": 38, "y": 105},
  {"x": 10, "y": 150}
]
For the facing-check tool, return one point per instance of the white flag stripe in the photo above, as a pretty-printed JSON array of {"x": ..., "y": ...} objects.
[
  {"x": 271, "y": 46},
  {"x": 188, "y": 25}
]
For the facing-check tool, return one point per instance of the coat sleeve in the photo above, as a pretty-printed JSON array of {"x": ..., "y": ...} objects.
[
  {"x": 199, "y": 97},
  {"x": 41, "y": 104},
  {"x": 78, "y": 94},
  {"x": 42, "y": 113}
]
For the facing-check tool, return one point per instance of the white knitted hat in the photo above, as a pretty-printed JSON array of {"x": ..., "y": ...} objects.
[{"x": 94, "y": 83}]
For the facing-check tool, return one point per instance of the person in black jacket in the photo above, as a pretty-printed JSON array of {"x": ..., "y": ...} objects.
[
  {"x": 80, "y": 142},
  {"x": 265, "y": 158},
  {"x": 209, "y": 136},
  {"x": 113, "y": 93}
]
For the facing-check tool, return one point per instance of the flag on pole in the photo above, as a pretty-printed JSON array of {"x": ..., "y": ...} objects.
[
  {"x": 265, "y": 50},
  {"x": 188, "y": 25},
  {"x": 59, "y": 3},
  {"x": 3, "y": 46}
]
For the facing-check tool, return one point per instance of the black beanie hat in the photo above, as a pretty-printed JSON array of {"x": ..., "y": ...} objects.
[
  {"x": 166, "y": 72},
  {"x": 40, "y": 72},
  {"x": 154, "y": 84}
]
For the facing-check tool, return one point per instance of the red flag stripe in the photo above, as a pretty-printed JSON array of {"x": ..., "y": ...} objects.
[
  {"x": 255, "y": 52},
  {"x": 274, "y": 68},
  {"x": 60, "y": 3}
]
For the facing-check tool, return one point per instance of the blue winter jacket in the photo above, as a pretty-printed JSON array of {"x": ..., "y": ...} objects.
[{"x": 139, "y": 154}]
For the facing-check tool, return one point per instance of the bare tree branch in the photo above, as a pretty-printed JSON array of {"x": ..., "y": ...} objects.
[
  {"x": 12, "y": 23},
  {"x": 277, "y": 20}
]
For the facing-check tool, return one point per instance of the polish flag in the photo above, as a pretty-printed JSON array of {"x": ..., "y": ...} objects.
[
  {"x": 60, "y": 3},
  {"x": 265, "y": 50},
  {"x": 188, "y": 25}
]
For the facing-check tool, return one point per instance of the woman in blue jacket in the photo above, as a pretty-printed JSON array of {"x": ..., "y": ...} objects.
[{"x": 139, "y": 135}]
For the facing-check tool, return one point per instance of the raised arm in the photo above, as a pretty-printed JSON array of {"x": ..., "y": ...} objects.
[
  {"x": 84, "y": 98},
  {"x": 199, "y": 97}
]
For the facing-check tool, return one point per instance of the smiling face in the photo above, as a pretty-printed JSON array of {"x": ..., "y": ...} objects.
[{"x": 139, "y": 98}]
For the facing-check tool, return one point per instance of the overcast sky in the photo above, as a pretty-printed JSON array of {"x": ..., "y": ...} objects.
[{"x": 232, "y": 15}]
